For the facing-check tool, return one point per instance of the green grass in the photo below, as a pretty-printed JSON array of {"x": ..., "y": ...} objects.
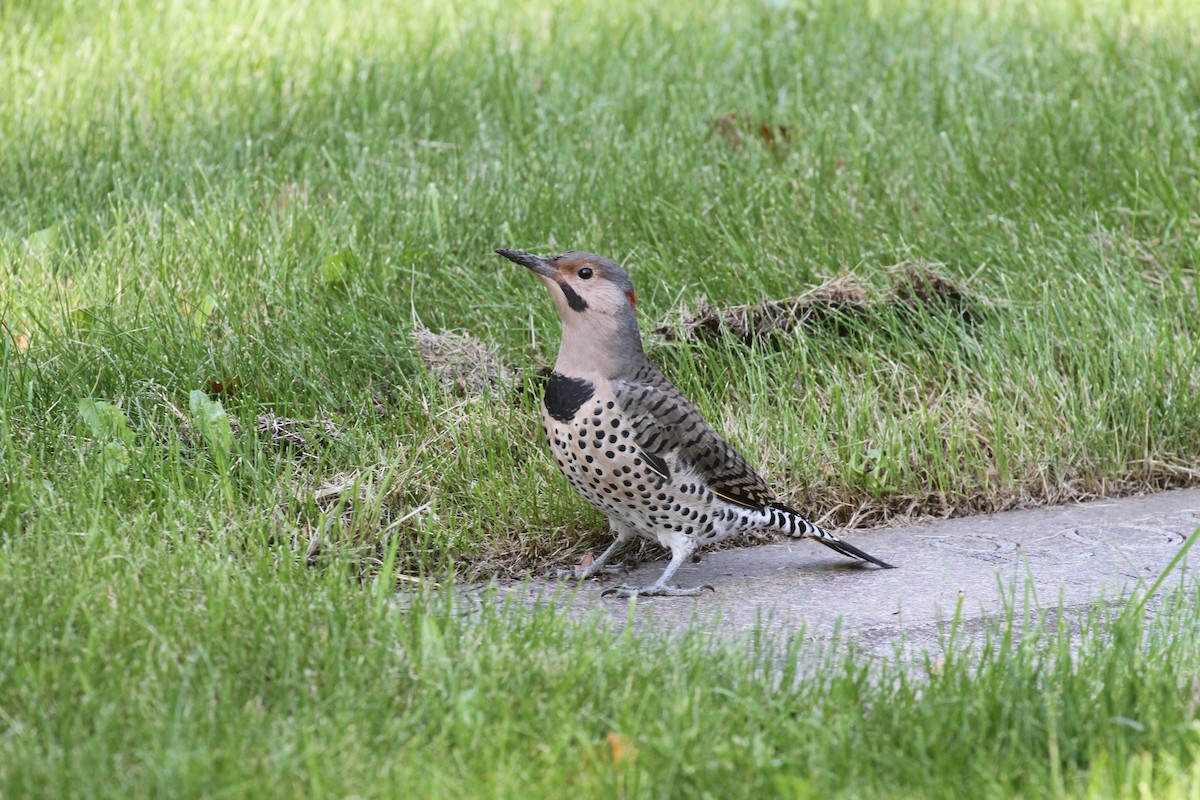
[
  {"x": 176, "y": 180},
  {"x": 128, "y": 673},
  {"x": 273, "y": 196}
]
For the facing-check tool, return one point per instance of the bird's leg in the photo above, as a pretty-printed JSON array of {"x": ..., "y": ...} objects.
[
  {"x": 583, "y": 573},
  {"x": 681, "y": 550}
]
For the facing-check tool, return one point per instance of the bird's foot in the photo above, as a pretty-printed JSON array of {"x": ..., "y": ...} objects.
[
  {"x": 583, "y": 573},
  {"x": 656, "y": 591}
]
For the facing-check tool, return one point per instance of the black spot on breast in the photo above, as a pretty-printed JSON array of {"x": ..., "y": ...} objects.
[{"x": 564, "y": 396}]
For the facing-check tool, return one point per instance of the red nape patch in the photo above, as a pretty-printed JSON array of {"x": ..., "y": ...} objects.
[{"x": 631, "y": 300}]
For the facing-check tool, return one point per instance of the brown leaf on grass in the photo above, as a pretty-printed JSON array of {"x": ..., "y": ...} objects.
[
  {"x": 620, "y": 748},
  {"x": 460, "y": 364},
  {"x": 586, "y": 561},
  {"x": 217, "y": 390},
  {"x": 21, "y": 341}
]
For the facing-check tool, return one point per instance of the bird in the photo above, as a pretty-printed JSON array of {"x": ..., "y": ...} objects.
[{"x": 630, "y": 442}]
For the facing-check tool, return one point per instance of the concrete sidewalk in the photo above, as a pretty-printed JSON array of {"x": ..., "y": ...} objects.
[{"x": 1075, "y": 555}]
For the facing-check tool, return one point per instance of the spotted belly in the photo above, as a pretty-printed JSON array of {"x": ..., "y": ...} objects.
[{"x": 597, "y": 454}]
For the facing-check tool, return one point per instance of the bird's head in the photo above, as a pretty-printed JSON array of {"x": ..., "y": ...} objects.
[{"x": 595, "y": 302}]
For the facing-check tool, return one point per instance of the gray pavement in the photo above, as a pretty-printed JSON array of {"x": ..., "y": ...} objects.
[{"x": 1073, "y": 556}]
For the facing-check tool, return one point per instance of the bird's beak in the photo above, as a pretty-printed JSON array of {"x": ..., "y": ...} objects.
[{"x": 539, "y": 265}]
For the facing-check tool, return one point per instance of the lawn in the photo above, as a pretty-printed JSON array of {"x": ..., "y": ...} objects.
[{"x": 225, "y": 229}]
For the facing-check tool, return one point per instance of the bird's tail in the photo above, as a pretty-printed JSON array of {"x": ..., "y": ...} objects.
[{"x": 790, "y": 522}]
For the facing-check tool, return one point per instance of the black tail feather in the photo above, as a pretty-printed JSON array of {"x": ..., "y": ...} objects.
[
  {"x": 793, "y": 523},
  {"x": 847, "y": 549}
]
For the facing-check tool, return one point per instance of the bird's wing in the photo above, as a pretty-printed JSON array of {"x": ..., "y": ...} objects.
[{"x": 667, "y": 427}]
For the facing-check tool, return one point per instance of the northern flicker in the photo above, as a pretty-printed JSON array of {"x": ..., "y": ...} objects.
[{"x": 629, "y": 441}]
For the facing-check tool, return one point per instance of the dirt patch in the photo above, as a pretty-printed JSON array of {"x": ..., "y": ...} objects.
[
  {"x": 460, "y": 364},
  {"x": 837, "y": 305}
]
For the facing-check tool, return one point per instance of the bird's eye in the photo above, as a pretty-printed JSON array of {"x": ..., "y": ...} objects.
[{"x": 585, "y": 273}]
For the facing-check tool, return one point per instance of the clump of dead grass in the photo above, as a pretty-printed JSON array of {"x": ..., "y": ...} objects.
[
  {"x": 302, "y": 435},
  {"x": 460, "y": 364},
  {"x": 756, "y": 321},
  {"x": 837, "y": 305},
  {"x": 919, "y": 285}
]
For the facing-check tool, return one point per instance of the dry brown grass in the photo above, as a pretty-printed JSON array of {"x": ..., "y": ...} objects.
[
  {"x": 915, "y": 287},
  {"x": 460, "y": 364}
]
